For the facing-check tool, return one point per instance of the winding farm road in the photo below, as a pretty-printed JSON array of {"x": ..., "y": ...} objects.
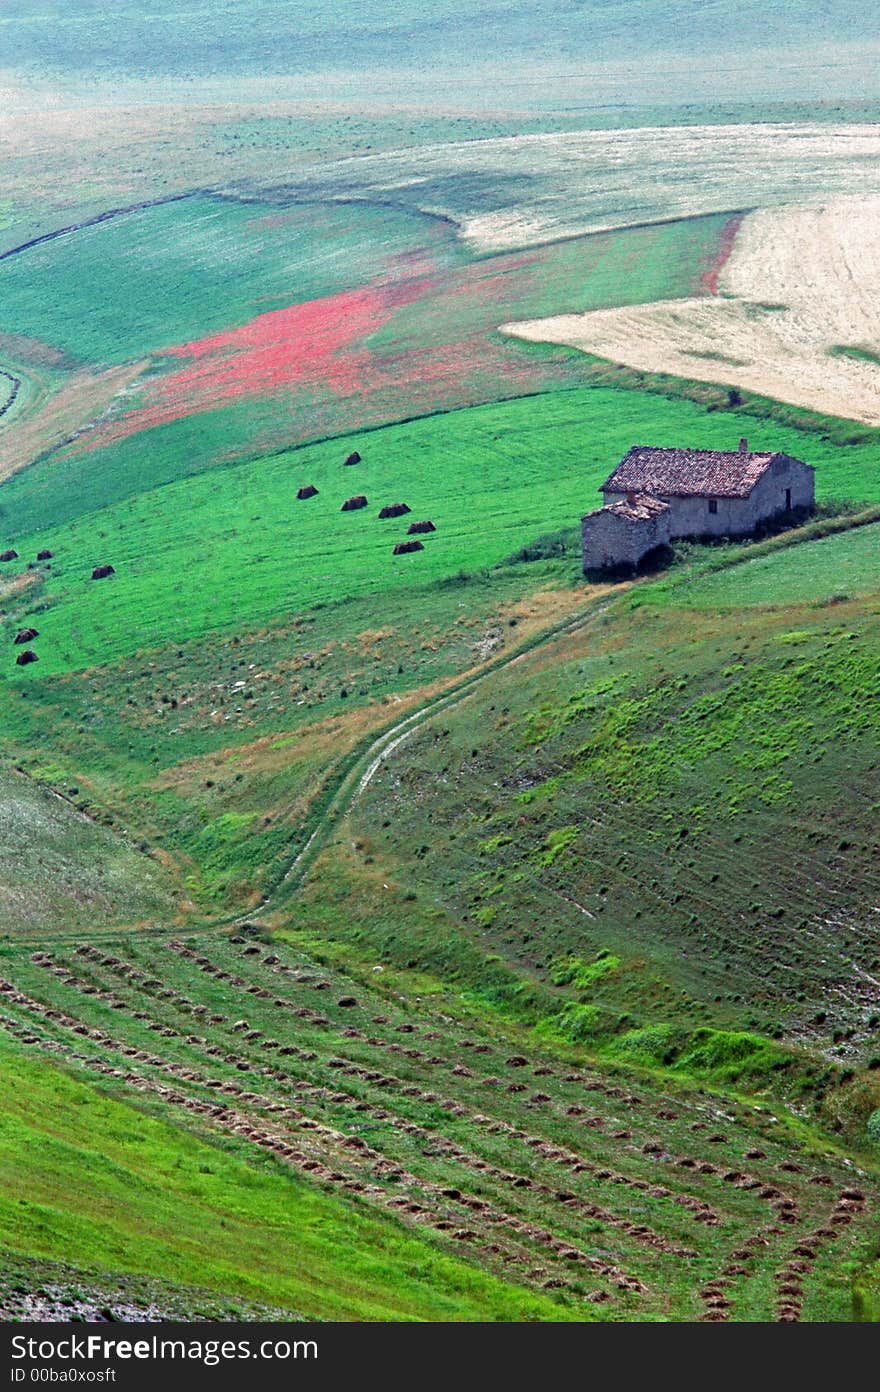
[{"x": 353, "y": 775}]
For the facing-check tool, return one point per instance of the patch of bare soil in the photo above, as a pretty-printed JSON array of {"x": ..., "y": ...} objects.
[{"x": 797, "y": 317}]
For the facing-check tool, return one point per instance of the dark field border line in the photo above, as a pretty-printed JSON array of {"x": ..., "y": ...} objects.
[
  {"x": 106, "y": 216},
  {"x": 15, "y": 388}
]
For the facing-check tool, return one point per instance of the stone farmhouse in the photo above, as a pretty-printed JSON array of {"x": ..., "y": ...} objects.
[{"x": 655, "y": 495}]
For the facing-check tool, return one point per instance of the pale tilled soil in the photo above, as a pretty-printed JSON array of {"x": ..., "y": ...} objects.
[{"x": 802, "y": 282}]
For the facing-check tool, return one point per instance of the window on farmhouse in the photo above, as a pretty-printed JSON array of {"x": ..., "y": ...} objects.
[{"x": 713, "y": 504}]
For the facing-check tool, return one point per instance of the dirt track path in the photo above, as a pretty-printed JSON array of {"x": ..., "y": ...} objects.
[
  {"x": 802, "y": 284},
  {"x": 354, "y": 775}
]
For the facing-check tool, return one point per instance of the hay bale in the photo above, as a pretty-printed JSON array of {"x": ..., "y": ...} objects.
[
  {"x": 102, "y": 571},
  {"x": 25, "y": 635},
  {"x": 8, "y": 555},
  {"x": 26, "y": 658},
  {"x": 394, "y": 510},
  {"x": 353, "y": 458},
  {"x": 309, "y": 491},
  {"x": 352, "y": 504},
  {"x": 415, "y": 527},
  {"x": 404, "y": 547},
  {"x": 44, "y": 555}
]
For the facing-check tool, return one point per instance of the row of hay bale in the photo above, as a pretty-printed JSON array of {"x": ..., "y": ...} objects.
[
  {"x": 13, "y": 555},
  {"x": 358, "y": 501},
  {"x": 99, "y": 573},
  {"x": 27, "y": 635},
  {"x": 402, "y": 548}
]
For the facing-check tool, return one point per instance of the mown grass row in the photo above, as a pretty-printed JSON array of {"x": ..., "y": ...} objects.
[
  {"x": 386, "y": 1086},
  {"x": 106, "y": 1184}
]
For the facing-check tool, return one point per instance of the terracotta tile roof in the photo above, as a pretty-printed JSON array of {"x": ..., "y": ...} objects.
[
  {"x": 684, "y": 473},
  {"x": 637, "y": 507}
]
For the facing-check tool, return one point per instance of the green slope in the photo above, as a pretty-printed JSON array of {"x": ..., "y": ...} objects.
[
  {"x": 92, "y": 1181},
  {"x": 845, "y": 566},
  {"x": 61, "y": 867},
  {"x": 691, "y": 793}
]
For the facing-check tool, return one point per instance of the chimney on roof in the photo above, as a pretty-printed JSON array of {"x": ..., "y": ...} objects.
[
  {"x": 743, "y": 445},
  {"x": 631, "y": 498}
]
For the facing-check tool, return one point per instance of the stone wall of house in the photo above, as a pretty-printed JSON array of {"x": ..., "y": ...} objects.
[
  {"x": 785, "y": 473},
  {"x": 692, "y": 516},
  {"x": 610, "y": 540},
  {"x": 739, "y": 516}
]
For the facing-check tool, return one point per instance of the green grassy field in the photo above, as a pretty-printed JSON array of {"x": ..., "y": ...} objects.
[
  {"x": 416, "y": 335},
  {"x": 845, "y": 566},
  {"x": 168, "y": 274},
  {"x": 592, "y": 1073},
  {"x": 558, "y": 1002},
  {"x": 235, "y": 548},
  {"x": 218, "y": 765},
  {"x": 108, "y": 1184},
  {"x": 703, "y": 810},
  {"x": 459, "y": 1165}
]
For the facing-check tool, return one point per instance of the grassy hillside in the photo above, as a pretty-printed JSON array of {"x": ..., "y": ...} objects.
[
  {"x": 843, "y": 566},
  {"x": 431, "y": 937},
  {"x": 581, "y": 991},
  {"x": 282, "y": 1126},
  {"x": 91, "y": 1180},
  {"x": 646, "y": 828},
  {"x": 218, "y": 759},
  {"x": 58, "y": 865}
]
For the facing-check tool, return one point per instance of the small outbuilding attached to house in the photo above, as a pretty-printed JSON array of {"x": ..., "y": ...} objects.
[{"x": 623, "y": 533}]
